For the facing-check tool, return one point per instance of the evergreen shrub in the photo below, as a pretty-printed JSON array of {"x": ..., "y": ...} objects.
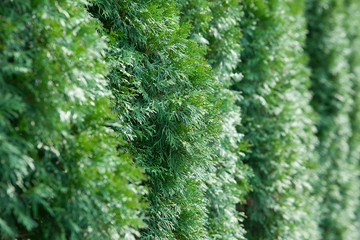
[
  {"x": 353, "y": 33},
  {"x": 328, "y": 46},
  {"x": 277, "y": 121},
  {"x": 62, "y": 176},
  {"x": 165, "y": 97},
  {"x": 215, "y": 26}
]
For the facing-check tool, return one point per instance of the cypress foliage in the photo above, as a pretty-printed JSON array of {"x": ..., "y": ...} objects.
[
  {"x": 164, "y": 94},
  {"x": 329, "y": 48},
  {"x": 353, "y": 31},
  {"x": 215, "y": 25},
  {"x": 61, "y": 175},
  {"x": 277, "y": 122}
]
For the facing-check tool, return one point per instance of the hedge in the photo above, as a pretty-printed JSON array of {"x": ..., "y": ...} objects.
[
  {"x": 180, "y": 119},
  {"x": 328, "y": 46},
  {"x": 164, "y": 95},
  {"x": 62, "y": 176},
  {"x": 215, "y": 26},
  {"x": 277, "y": 122},
  {"x": 353, "y": 33}
]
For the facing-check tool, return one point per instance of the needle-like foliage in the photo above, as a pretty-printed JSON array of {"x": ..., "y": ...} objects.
[
  {"x": 277, "y": 122},
  {"x": 165, "y": 96},
  {"x": 62, "y": 176},
  {"x": 328, "y": 46},
  {"x": 353, "y": 33},
  {"x": 209, "y": 97},
  {"x": 215, "y": 26}
]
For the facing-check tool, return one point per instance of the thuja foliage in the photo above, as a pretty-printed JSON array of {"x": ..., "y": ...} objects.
[
  {"x": 164, "y": 95},
  {"x": 277, "y": 122},
  {"x": 61, "y": 174},
  {"x": 215, "y": 26},
  {"x": 353, "y": 33},
  {"x": 328, "y": 46}
]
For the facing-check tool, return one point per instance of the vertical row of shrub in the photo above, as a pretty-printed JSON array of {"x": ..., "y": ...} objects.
[
  {"x": 353, "y": 31},
  {"x": 73, "y": 127},
  {"x": 164, "y": 96},
  {"x": 277, "y": 122},
  {"x": 62, "y": 176},
  {"x": 215, "y": 26},
  {"x": 328, "y": 46}
]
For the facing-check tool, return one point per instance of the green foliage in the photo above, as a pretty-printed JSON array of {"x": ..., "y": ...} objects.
[
  {"x": 61, "y": 175},
  {"x": 332, "y": 84},
  {"x": 177, "y": 75},
  {"x": 164, "y": 95},
  {"x": 353, "y": 32},
  {"x": 277, "y": 122},
  {"x": 216, "y": 27}
]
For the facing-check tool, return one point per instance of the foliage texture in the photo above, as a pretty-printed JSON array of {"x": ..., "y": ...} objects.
[
  {"x": 62, "y": 176},
  {"x": 277, "y": 122},
  {"x": 165, "y": 97},
  {"x": 353, "y": 33},
  {"x": 215, "y": 26},
  {"x": 328, "y": 45},
  {"x": 201, "y": 108}
]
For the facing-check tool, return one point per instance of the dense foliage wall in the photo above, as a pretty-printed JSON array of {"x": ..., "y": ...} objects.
[
  {"x": 333, "y": 86},
  {"x": 210, "y": 98},
  {"x": 164, "y": 95},
  {"x": 277, "y": 121},
  {"x": 353, "y": 31},
  {"x": 61, "y": 175},
  {"x": 215, "y": 26}
]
